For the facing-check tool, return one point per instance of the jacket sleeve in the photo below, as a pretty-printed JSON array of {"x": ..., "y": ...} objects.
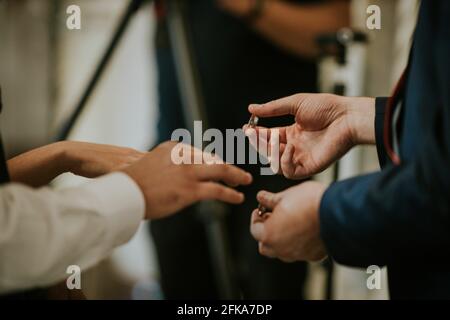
[
  {"x": 400, "y": 213},
  {"x": 403, "y": 212}
]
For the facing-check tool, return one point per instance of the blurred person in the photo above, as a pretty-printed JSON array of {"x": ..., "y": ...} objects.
[
  {"x": 399, "y": 217},
  {"x": 245, "y": 50},
  {"x": 44, "y": 231}
]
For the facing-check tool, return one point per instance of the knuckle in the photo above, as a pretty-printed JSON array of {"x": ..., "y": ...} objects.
[
  {"x": 197, "y": 192},
  {"x": 216, "y": 191},
  {"x": 167, "y": 144},
  {"x": 226, "y": 168},
  {"x": 287, "y": 174}
]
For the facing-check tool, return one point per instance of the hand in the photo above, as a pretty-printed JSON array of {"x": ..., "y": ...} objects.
[
  {"x": 170, "y": 187},
  {"x": 326, "y": 127},
  {"x": 39, "y": 166},
  {"x": 291, "y": 230},
  {"x": 239, "y": 8},
  {"x": 93, "y": 160}
]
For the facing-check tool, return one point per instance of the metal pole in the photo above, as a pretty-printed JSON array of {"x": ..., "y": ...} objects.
[
  {"x": 67, "y": 127},
  {"x": 212, "y": 213}
]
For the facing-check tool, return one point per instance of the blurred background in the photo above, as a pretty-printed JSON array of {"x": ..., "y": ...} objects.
[{"x": 44, "y": 68}]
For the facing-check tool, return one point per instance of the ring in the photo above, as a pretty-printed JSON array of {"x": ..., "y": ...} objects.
[{"x": 261, "y": 210}]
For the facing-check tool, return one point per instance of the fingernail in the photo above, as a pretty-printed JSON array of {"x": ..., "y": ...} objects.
[{"x": 261, "y": 195}]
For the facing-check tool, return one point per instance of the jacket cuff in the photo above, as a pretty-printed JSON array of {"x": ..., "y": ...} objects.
[{"x": 380, "y": 106}]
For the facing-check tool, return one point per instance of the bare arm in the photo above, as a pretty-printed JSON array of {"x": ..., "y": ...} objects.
[
  {"x": 39, "y": 167},
  {"x": 291, "y": 26}
]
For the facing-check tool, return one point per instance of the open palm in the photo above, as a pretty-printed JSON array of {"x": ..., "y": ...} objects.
[{"x": 320, "y": 135}]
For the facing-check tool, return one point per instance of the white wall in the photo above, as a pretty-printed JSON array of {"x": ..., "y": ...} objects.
[
  {"x": 122, "y": 112},
  {"x": 24, "y": 74}
]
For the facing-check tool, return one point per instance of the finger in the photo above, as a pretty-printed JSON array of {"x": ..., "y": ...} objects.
[
  {"x": 258, "y": 231},
  {"x": 280, "y": 107},
  {"x": 186, "y": 151},
  {"x": 216, "y": 191},
  {"x": 253, "y": 138},
  {"x": 211, "y": 158},
  {"x": 287, "y": 161},
  {"x": 257, "y": 218},
  {"x": 301, "y": 173},
  {"x": 266, "y": 250},
  {"x": 267, "y": 144},
  {"x": 198, "y": 156},
  {"x": 229, "y": 174},
  {"x": 282, "y": 148},
  {"x": 287, "y": 259},
  {"x": 257, "y": 228},
  {"x": 267, "y": 132},
  {"x": 274, "y": 162},
  {"x": 268, "y": 199}
]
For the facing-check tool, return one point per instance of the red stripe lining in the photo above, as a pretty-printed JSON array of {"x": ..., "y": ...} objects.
[{"x": 391, "y": 105}]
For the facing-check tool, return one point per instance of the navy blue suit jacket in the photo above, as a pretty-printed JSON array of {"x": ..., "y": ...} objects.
[{"x": 400, "y": 217}]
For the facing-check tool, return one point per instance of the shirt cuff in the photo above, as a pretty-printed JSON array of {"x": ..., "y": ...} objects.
[
  {"x": 121, "y": 202},
  {"x": 380, "y": 106}
]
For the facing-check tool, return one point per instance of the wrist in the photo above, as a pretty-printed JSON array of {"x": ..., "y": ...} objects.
[
  {"x": 65, "y": 156},
  {"x": 361, "y": 119}
]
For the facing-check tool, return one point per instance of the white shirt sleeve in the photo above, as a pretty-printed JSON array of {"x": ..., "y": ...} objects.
[{"x": 43, "y": 231}]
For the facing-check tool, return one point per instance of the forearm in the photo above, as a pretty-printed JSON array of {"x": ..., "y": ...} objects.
[
  {"x": 296, "y": 27},
  {"x": 38, "y": 167}
]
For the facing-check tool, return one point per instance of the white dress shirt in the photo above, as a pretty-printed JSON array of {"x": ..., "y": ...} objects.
[{"x": 43, "y": 231}]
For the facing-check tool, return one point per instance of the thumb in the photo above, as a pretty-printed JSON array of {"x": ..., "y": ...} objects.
[{"x": 268, "y": 199}]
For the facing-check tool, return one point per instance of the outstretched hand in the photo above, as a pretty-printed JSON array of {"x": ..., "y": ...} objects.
[{"x": 325, "y": 128}]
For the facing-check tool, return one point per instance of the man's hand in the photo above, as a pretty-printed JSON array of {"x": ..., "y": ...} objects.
[
  {"x": 39, "y": 166},
  {"x": 239, "y": 8},
  {"x": 290, "y": 231},
  {"x": 93, "y": 160},
  {"x": 326, "y": 127},
  {"x": 168, "y": 187}
]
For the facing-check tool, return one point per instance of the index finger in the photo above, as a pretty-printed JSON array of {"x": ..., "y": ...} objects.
[
  {"x": 266, "y": 133},
  {"x": 284, "y": 106},
  {"x": 227, "y": 173}
]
